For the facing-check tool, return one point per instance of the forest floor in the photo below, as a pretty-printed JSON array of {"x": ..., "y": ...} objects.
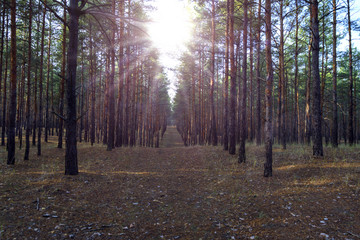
[{"x": 177, "y": 192}]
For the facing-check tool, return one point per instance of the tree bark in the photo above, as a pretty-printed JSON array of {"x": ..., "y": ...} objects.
[
  {"x": 12, "y": 106},
  {"x": 282, "y": 110},
  {"x": 268, "y": 92},
  {"x": 1, "y": 58},
  {"x": 297, "y": 112},
  {"x": 351, "y": 84},
  {"x": 317, "y": 139},
  {"x": 71, "y": 161},
  {"x": 3, "y": 127},
  {"x": 41, "y": 77},
  {"x": 232, "y": 125},
  {"x": 92, "y": 87},
  {"x": 212, "y": 82},
  {"x": 226, "y": 81},
  {"x": 119, "y": 119},
  {"x": 28, "y": 99},
  {"x": 62, "y": 85},
  {"x": 258, "y": 88},
  {"x": 111, "y": 117},
  {"x": 47, "y": 120},
  {"x": 308, "y": 99},
  {"x": 243, "y": 127}
]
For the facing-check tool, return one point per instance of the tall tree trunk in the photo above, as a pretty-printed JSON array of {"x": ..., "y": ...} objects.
[
  {"x": 119, "y": 116},
  {"x": 212, "y": 82},
  {"x": 282, "y": 109},
  {"x": 71, "y": 161},
  {"x": 307, "y": 104},
  {"x": 3, "y": 127},
  {"x": 62, "y": 85},
  {"x": 268, "y": 92},
  {"x": 297, "y": 112},
  {"x": 47, "y": 120},
  {"x": 243, "y": 127},
  {"x": 351, "y": 84},
  {"x": 92, "y": 87},
  {"x": 2, "y": 55},
  {"x": 81, "y": 103},
  {"x": 258, "y": 102},
  {"x": 232, "y": 125},
  {"x": 28, "y": 98},
  {"x": 226, "y": 81},
  {"x": 111, "y": 117},
  {"x": 251, "y": 41},
  {"x": 40, "y": 117},
  {"x": 317, "y": 139},
  {"x": 12, "y": 106},
  {"x": 106, "y": 98}
]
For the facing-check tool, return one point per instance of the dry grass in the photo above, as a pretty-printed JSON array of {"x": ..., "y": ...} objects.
[{"x": 177, "y": 192}]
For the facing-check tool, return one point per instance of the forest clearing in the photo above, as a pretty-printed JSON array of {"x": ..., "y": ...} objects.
[{"x": 176, "y": 192}]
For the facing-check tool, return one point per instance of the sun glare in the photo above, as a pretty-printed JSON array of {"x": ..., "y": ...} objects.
[{"x": 171, "y": 26}]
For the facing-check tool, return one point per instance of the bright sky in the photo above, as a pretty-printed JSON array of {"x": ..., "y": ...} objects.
[
  {"x": 170, "y": 30},
  {"x": 354, "y": 11}
]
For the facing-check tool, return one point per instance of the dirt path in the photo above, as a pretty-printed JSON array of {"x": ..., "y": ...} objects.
[
  {"x": 171, "y": 138},
  {"x": 176, "y": 192}
]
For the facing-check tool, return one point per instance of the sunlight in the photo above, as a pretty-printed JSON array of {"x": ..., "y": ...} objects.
[{"x": 171, "y": 26}]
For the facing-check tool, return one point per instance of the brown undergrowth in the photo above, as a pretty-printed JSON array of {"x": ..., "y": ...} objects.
[{"x": 177, "y": 192}]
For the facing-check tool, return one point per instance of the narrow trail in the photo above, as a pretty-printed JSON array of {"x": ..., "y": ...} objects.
[{"x": 171, "y": 138}]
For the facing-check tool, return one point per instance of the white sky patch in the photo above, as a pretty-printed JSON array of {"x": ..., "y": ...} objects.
[{"x": 170, "y": 30}]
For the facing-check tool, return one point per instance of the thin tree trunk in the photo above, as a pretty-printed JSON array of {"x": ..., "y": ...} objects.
[
  {"x": 258, "y": 103},
  {"x": 251, "y": 41},
  {"x": 212, "y": 82},
  {"x": 243, "y": 127},
  {"x": 62, "y": 85},
  {"x": 351, "y": 84},
  {"x": 119, "y": 119},
  {"x": 92, "y": 87},
  {"x": 297, "y": 112},
  {"x": 2, "y": 53},
  {"x": 111, "y": 138},
  {"x": 268, "y": 92},
  {"x": 282, "y": 109},
  {"x": 47, "y": 120},
  {"x": 40, "y": 117},
  {"x": 307, "y": 104},
  {"x": 28, "y": 99},
  {"x": 232, "y": 125},
  {"x": 12, "y": 106},
  {"x": 226, "y": 81},
  {"x": 3, "y": 129}
]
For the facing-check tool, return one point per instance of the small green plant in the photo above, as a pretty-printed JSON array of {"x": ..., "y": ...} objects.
[{"x": 262, "y": 214}]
